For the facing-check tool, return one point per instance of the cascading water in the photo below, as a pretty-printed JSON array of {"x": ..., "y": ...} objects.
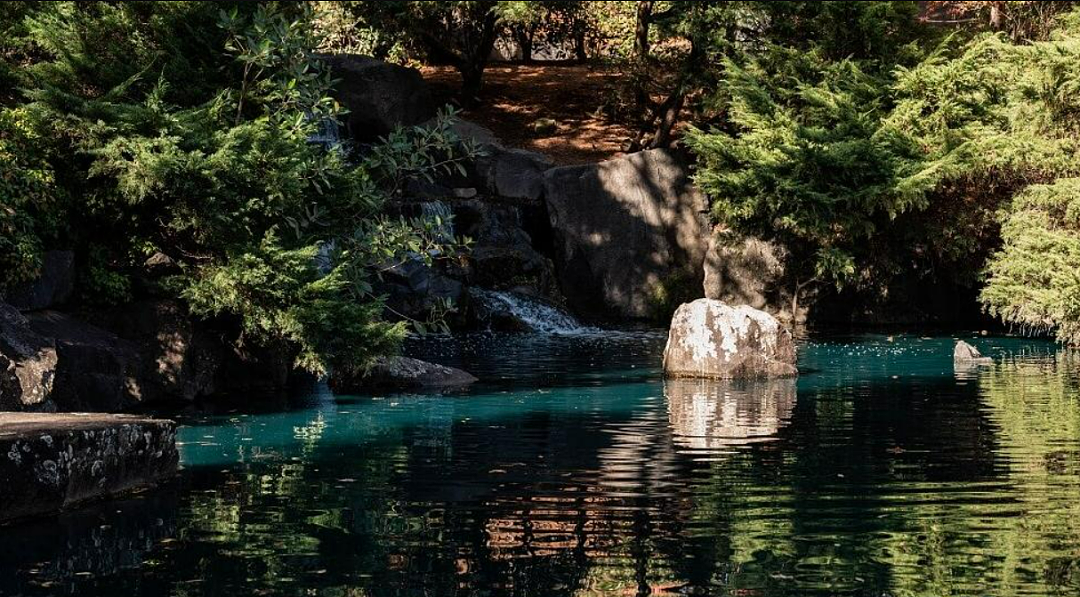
[
  {"x": 438, "y": 209},
  {"x": 537, "y": 315},
  {"x": 328, "y": 135},
  {"x": 324, "y": 258}
]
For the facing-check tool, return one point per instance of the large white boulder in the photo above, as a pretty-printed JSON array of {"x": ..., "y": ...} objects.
[{"x": 712, "y": 340}]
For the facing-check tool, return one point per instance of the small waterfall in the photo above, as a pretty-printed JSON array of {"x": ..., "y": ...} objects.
[
  {"x": 433, "y": 209},
  {"x": 324, "y": 258},
  {"x": 537, "y": 315},
  {"x": 328, "y": 135}
]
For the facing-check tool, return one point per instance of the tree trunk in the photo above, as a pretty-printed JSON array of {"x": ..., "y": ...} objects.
[
  {"x": 525, "y": 42},
  {"x": 641, "y": 29},
  {"x": 669, "y": 115},
  {"x": 580, "y": 49},
  {"x": 641, "y": 58},
  {"x": 995, "y": 17},
  {"x": 475, "y": 58},
  {"x": 472, "y": 81},
  {"x": 673, "y": 105}
]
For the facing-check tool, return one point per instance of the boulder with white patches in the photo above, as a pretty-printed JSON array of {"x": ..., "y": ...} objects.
[{"x": 712, "y": 340}]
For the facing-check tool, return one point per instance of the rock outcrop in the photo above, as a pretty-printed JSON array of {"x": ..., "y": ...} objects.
[
  {"x": 114, "y": 360},
  {"x": 96, "y": 371},
  {"x": 513, "y": 173},
  {"x": 49, "y": 462},
  {"x": 403, "y": 374},
  {"x": 744, "y": 272},
  {"x": 712, "y": 340},
  {"x": 413, "y": 289},
  {"x": 622, "y": 228},
  {"x": 27, "y": 364},
  {"x": 53, "y": 286},
  {"x": 183, "y": 358},
  {"x": 378, "y": 95}
]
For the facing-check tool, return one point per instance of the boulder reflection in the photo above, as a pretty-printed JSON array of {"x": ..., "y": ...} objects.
[{"x": 711, "y": 414}]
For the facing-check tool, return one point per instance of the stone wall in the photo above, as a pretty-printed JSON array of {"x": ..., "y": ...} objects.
[{"x": 49, "y": 462}]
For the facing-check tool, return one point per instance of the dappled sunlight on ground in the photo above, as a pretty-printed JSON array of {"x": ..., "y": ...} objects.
[{"x": 516, "y": 96}]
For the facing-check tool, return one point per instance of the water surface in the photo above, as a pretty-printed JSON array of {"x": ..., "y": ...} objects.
[{"x": 575, "y": 470}]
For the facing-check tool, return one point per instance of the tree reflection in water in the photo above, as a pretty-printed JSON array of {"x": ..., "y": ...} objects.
[{"x": 881, "y": 471}]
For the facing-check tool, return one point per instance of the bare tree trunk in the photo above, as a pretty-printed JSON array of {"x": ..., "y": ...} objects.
[
  {"x": 524, "y": 38},
  {"x": 580, "y": 46},
  {"x": 672, "y": 107},
  {"x": 641, "y": 29},
  {"x": 474, "y": 59},
  {"x": 642, "y": 101},
  {"x": 669, "y": 115}
]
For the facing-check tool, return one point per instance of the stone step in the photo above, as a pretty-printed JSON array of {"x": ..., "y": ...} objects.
[{"x": 50, "y": 462}]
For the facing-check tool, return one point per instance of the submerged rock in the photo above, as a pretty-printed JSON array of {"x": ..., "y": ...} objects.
[
  {"x": 967, "y": 355},
  {"x": 623, "y": 228},
  {"x": 403, "y": 374},
  {"x": 709, "y": 339},
  {"x": 49, "y": 462},
  {"x": 27, "y": 364}
]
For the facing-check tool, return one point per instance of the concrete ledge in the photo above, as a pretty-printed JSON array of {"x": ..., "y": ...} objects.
[{"x": 49, "y": 462}]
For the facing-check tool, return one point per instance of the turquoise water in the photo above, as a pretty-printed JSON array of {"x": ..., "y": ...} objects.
[{"x": 575, "y": 470}]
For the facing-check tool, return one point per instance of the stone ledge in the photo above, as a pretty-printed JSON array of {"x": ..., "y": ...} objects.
[{"x": 49, "y": 462}]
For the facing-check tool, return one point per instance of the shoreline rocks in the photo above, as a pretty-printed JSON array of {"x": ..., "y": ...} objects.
[
  {"x": 50, "y": 462},
  {"x": 378, "y": 95},
  {"x": 403, "y": 374},
  {"x": 624, "y": 229},
  {"x": 27, "y": 364},
  {"x": 711, "y": 340},
  {"x": 145, "y": 352},
  {"x": 53, "y": 286}
]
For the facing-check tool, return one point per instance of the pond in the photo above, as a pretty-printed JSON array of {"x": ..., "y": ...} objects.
[{"x": 574, "y": 469}]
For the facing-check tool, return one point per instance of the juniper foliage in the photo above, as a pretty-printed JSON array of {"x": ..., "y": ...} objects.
[{"x": 183, "y": 128}]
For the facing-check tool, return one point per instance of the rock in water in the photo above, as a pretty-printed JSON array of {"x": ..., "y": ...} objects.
[
  {"x": 709, "y": 339},
  {"x": 403, "y": 374},
  {"x": 967, "y": 355}
]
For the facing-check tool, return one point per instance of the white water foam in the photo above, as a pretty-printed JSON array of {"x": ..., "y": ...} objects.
[{"x": 538, "y": 315}]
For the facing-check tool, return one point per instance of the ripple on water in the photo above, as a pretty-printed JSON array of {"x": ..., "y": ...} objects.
[{"x": 573, "y": 469}]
